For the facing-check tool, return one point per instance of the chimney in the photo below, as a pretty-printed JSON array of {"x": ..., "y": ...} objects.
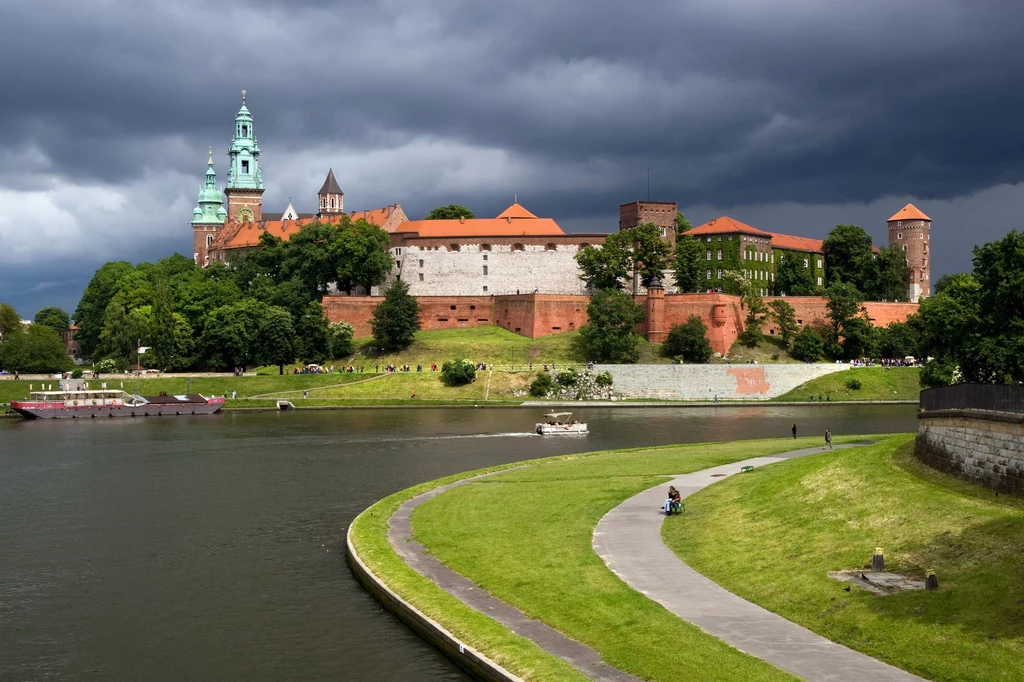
[
  {"x": 462, "y": 218},
  {"x": 509, "y": 219}
]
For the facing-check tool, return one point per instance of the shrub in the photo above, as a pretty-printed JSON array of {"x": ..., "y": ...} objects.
[
  {"x": 458, "y": 372},
  {"x": 542, "y": 385},
  {"x": 604, "y": 380},
  {"x": 341, "y": 339},
  {"x": 106, "y": 366},
  {"x": 853, "y": 384},
  {"x": 808, "y": 345},
  {"x": 77, "y": 374},
  {"x": 688, "y": 341},
  {"x": 567, "y": 378}
]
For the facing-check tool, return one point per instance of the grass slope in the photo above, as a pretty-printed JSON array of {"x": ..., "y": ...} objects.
[
  {"x": 772, "y": 536},
  {"x": 525, "y": 536},
  {"x": 877, "y": 383}
]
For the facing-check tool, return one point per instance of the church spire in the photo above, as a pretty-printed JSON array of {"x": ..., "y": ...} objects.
[
  {"x": 245, "y": 180},
  {"x": 209, "y": 215},
  {"x": 332, "y": 199}
]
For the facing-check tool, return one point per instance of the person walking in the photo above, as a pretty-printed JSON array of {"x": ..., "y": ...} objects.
[
  {"x": 794, "y": 431},
  {"x": 828, "y": 440}
]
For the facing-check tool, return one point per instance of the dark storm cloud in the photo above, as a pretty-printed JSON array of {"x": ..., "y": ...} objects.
[{"x": 728, "y": 102}]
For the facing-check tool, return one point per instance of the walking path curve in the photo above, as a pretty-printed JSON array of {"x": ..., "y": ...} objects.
[{"x": 628, "y": 539}]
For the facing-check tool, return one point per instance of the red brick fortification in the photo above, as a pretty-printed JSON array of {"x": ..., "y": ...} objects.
[{"x": 537, "y": 315}]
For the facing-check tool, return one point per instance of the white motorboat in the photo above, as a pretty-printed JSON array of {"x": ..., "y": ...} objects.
[{"x": 560, "y": 424}]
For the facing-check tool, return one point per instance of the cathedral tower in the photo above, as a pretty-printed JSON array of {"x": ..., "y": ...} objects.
[
  {"x": 245, "y": 182},
  {"x": 208, "y": 215},
  {"x": 909, "y": 231},
  {"x": 332, "y": 199}
]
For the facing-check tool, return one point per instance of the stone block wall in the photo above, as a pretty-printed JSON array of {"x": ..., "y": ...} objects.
[
  {"x": 986, "y": 448},
  {"x": 704, "y": 382}
]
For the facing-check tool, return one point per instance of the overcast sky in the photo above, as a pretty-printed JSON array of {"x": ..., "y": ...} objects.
[{"x": 791, "y": 115}]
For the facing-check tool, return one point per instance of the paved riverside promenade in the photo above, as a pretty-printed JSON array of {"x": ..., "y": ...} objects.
[{"x": 628, "y": 539}]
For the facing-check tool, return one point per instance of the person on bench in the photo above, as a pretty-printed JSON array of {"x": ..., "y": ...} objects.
[{"x": 674, "y": 501}]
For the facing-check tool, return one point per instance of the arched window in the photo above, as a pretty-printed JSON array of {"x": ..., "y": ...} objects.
[
  {"x": 245, "y": 131},
  {"x": 518, "y": 247},
  {"x": 209, "y": 240}
]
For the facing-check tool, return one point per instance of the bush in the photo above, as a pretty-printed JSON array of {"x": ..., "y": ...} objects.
[
  {"x": 458, "y": 372},
  {"x": 567, "y": 378},
  {"x": 341, "y": 339},
  {"x": 542, "y": 385},
  {"x": 105, "y": 366},
  {"x": 77, "y": 374},
  {"x": 604, "y": 380},
  {"x": 688, "y": 341},
  {"x": 808, "y": 345},
  {"x": 853, "y": 384}
]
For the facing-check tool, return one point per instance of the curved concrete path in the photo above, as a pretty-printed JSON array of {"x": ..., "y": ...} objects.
[{"x": 628, "y": 538}]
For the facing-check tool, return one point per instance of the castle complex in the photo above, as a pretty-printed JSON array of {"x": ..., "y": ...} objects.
[{"x": 527, "y": 259}]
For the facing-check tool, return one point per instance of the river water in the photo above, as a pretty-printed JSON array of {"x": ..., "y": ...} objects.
[{"x": 212, "y": 548}]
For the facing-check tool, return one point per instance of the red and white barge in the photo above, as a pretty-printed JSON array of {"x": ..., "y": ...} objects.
[{"x": 108, "y": 403}]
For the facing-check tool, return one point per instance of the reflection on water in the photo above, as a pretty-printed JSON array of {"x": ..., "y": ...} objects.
[{"x": 213, "y": 548}]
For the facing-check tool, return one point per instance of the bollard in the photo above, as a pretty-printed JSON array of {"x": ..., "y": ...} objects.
[
  {"x": 931, "y": 582},
  {"x": 878, "y": 560}
]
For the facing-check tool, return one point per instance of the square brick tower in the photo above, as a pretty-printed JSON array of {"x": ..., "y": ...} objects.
[
  {"x": 909, "y": 231},
  {"x": 661, "y": 213}
]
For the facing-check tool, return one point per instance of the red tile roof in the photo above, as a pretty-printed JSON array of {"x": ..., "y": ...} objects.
[
  {"x": 513, "y": 221},
  {"x": 791, "y": 243},
  {"x": 516, "y": 211},
  {"x": 909, "y": 212},
  {"x": 726, "y": 225}
]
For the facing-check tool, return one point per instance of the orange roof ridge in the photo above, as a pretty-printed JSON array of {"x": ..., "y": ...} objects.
[
  {"x": 793, "y": 243},
  {"x": 516, "y": 211},
  {"x": 909, "y": 212},
  {"x": 724, "y": 224}
]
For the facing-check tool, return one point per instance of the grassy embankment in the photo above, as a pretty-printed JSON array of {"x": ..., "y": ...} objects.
[
  {"x": 877, "y": 383},
  {"x": 525, "y": 536},
  {"x": 772, "y": 536}
]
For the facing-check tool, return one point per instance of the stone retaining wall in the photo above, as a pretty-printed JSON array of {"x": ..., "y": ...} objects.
[
  {"x": 982, "y": 447},
  {"x": 469, "y": 659},
  {"x": 704, "y": 382}
]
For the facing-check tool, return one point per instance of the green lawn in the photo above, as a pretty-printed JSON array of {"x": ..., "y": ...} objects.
[
  {"x": 525, "y": 536},
  {"x": 772, "y": 536},
  {"x": 877, "y": 383},
  {"x": 769, "y": 351}
]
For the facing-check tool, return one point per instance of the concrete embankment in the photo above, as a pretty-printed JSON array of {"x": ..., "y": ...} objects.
[{"x": 706, "y": 382}]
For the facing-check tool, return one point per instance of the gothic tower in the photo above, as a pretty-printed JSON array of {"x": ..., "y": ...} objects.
[
  {"x": 245, "y": 182},
  {"x": 332, "y": 199},
  {"x": 909, "y": 231},
  {"x": 208, "y": 215}
]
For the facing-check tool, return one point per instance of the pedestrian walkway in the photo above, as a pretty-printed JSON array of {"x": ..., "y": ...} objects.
[{"x": 628, "y": 539}]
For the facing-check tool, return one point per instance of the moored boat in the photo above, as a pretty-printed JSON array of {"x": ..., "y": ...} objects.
[
  {"x": 560, "y": 424},
  {"x": 86, "y": 404}
]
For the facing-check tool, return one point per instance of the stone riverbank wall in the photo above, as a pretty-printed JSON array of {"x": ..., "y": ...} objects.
[
  {"x": 704, "y": 382},
  {"x": 975, "y": 432}
]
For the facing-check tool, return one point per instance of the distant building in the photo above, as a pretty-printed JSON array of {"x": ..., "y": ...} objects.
[
  {"x": 910, "y": 231},
  {"x": 661, "y": 213}
]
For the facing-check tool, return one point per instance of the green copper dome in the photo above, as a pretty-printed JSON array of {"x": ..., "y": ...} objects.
[
  {"x": 210, "y": 207},
  {"x": 244, "y": 152}
]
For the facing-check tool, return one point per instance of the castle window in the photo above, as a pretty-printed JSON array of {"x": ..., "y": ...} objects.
[
  {"x": 584, "y": 245},
  {"x": 209, "y": 240},
  {"x": 709, "y": 254},
  {"x": 904, "y": 248},
  {"x": 485, "y": 247},
  {"x": 245, "y": 166},
  {"x": 709, "y": 274},
  {"x": 819, "y": 281},
  {"x": 485, "y": 269},
  {"x": 485, "y": 256},
  {"x": 719, "y": 253},
  {"x": 899, "y": 235},
  {"x": 552, "y": 247},
  {"x": 719, "y": 237},
  {"x": 719, "y": 273},
  {"x": 518, "y": 247},
  {"x": 453, "y": 247},
  {"x": 245, "y": 131},
  {"x": 485, "y": 291},
  {"x": 421, "y": 262},
  {"x": 421, "y": 276},
  {"x": 807, "y": 263},
  {"x": 899, "y": 223},
  {"x": 452, "y": 307},
  {"x": 819, "y": 264}
]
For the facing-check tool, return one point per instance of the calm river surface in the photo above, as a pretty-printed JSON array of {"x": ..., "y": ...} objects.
[{"x": 212, "y": 548}]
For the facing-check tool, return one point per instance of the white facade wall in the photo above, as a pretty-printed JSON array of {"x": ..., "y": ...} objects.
[
  {"x": 441, "y": 271},
  {"x": 704, "y": 382}
]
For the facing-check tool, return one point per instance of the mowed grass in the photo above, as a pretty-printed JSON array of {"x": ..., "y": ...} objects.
[
  {"x": 764, "y": 353},
  {"x": 877, "y": 383},
  {"x": 772, "y": 536},
  {"x": 427, "y": 386},
  {"x": 525, "y": 536}
]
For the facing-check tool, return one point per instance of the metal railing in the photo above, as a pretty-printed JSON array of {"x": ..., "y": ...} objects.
[{"x": 991, "y": 397}]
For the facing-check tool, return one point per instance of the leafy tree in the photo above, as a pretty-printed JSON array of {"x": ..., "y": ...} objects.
[
  {"x": 449, "y": 212},
  {"x": 314, "y": 335},
  {"x": 860, "y": 338},
  {"x": 396, "y": 319},
  {"x": 603, "y": 267},
  {"x": 341, "y": 339},
  {"x": 36, "y": 350},
  {"x": 542, "y": 385},
  {"x": 792, "y": 278},
  {"x": 458, "y": 372},
  {"x": 231, "y": 332},
  {"x": 105, "y": 366},
  {"x": 897, "y": 341},
  {"x": 10, "y": 320},
  {"x": 121, "y": 331},
  {"x": 784, "y": 316},
  {"x": 999, "y": 269},
  {"x": 750, "y": 298},
  {"x": 275, "y": 338},
  {"x": 808, "y": 345},
  {"x": 312, "y": 257},
  {"x": 53, "y": 317},
  {"x": 648, "y": 251},
  {"x": 361, "y": 256},
  {"x": 888, "y": 275},
  {"x": 682, "y": 224},
  {"x": 688, "y": 262},
  {"x": 610, "y": 335},
  {"x": 688, "y": 341},
  {"x": 946, "y": 280},
  {"x": 843, "y": 304},
  {"x": 848, "y": 256},
  {"x": 92, "y": 307}
]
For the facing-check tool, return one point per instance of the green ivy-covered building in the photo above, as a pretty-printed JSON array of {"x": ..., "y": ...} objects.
[{"x": 730, "y": 245}]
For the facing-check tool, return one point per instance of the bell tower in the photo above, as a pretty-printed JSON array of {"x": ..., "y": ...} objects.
[
  {"x": 208, "y": 216},
  {"x": 332, "y": 199},
  {"x": 245, "y": 181}
]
